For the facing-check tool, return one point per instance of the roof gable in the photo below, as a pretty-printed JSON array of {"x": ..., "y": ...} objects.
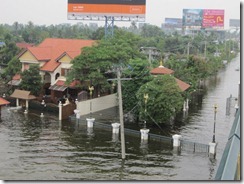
[
  {"x": 58, "y": 47},
  {"x": 182, "y": 85},
  {"x": 27, "y": 56},
  {"x": 161, "y": 70},
  {"x": 22, "y": 94}
]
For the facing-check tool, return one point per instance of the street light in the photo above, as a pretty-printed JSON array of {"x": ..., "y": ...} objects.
[
  {"x": 145, "y": 100},
  {"x": 215, "y": 111}
]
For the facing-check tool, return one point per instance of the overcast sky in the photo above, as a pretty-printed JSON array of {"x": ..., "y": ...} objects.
[{"x": 49, "y": 12}]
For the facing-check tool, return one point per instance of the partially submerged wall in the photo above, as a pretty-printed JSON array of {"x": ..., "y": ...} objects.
[{"x": 97, "y": 104}]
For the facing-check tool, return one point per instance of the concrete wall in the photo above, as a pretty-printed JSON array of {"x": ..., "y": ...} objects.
[{"x": 97, "y": 104}]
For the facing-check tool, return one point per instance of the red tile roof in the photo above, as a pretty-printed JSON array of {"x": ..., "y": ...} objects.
[
  {"x": 161, "y": 70},
  {"x": 72, "y": 84},
  {"x": 41, "y": 53},
  {"x": 182, "y": 85},
  {"x": 59, "y": 46},
  {"x": 52, "y": 48},
  {"x": 60, "y": 83},
  {"x": 3, "y": 101}
]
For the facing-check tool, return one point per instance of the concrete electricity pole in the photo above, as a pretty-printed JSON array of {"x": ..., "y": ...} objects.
[
  {"x": 121, "y": 116},
  {"x": 121, "y": 119}
]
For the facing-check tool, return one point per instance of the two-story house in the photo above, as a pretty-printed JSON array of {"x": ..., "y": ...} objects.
[{"x": 54, "y": 56}]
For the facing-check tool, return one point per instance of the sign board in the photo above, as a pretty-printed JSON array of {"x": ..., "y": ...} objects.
[
  {"x": 192, "y": 18},
  {"x": 213, "y": 18},
  {"x": 173, "y": 23},
  {"x": 109, "y": 8},
  {"x": 203, "y": 18},
  {"x": 234, "y": 23}
]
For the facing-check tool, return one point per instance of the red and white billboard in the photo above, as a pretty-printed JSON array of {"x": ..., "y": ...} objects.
[
  {"x": 213, "y": 18},
  {"x": 114, "y": 8}
]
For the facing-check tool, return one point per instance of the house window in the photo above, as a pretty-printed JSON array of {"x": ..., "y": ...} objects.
[
  {"x": 64, "y": 72},
  {"x": 57, "y": 76}
]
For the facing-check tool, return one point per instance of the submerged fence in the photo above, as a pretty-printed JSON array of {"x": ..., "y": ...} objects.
[{"x": 186, "y": 145}]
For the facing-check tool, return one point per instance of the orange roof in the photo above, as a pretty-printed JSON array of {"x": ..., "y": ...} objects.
[
  {"x": 41, "y": 53},
  {"x": 51, "y": 49},
  {"x": 72, "y": 84},
  {"x": 183, "y": 86},
  {"x": 59, "y": 46},
  {"x": 60, "y": 83},
  {"x": 3, "y": 101},
  {"x": 161, "y": 70}
]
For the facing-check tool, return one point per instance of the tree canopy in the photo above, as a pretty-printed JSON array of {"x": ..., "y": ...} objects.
[
  {"x": 95, "y": 62},
  {"x": 31, "y": 80},
  {"x": 164, "y": 99}
]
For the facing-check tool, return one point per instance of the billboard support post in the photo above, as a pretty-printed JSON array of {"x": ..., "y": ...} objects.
[{"x": 109, "y": 26}]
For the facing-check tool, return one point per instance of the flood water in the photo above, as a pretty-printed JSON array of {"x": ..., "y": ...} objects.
[{"x": 34, "y": 148}]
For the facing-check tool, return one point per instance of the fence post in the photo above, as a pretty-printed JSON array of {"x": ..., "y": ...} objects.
[
  {"x": 60, "y": 110},
  {"x": 90, "y": 122},
  {"x": 144, "y": 133},
  {"x": 77, "y": 113},
  {"x": 212, "y": 149},
  {"x": 115, "y": 128},
  {"x": 176, "y": 140}
]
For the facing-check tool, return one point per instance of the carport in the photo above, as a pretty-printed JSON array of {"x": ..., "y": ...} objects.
[{"x": 23, "y": 95}]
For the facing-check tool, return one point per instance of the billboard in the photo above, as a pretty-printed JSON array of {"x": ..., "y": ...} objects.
[
  {"x": 213, "y": 18},
  {"x": 101, "y": 8},
  {"x": 203, "y": 18},
  {"x": 173, "y": 23},
  {"x": 234, "y": 23},
  {"x": 192, "y": 17}
]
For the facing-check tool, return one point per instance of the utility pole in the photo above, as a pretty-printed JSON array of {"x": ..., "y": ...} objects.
[
  {"x": 205, "y": 49},
  {"x": 121, "y": 116},
  {"x": 121, "y": 119},
  {"x": 151, "y": 52},
  {"x": 188, "y": 49}
]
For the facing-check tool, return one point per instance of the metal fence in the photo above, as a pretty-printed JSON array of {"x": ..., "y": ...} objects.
[{"x": 186, "y": 145}]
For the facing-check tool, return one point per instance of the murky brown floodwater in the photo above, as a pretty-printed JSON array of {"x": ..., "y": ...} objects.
[{"x": 34, "y": 148}]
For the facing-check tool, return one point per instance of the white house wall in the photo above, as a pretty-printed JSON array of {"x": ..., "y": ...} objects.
[{"x": 98, "y": 104}]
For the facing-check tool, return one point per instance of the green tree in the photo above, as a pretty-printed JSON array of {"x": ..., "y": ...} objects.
[
  {"x": 14, "y": 67},
  {"x": 139, "y": 72},
  {"x": 94, "y": 62},
  {"x": 164, "y": 99},
  {"x": 9, "y": 50},
  {"x": 31, "y": 80}
]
